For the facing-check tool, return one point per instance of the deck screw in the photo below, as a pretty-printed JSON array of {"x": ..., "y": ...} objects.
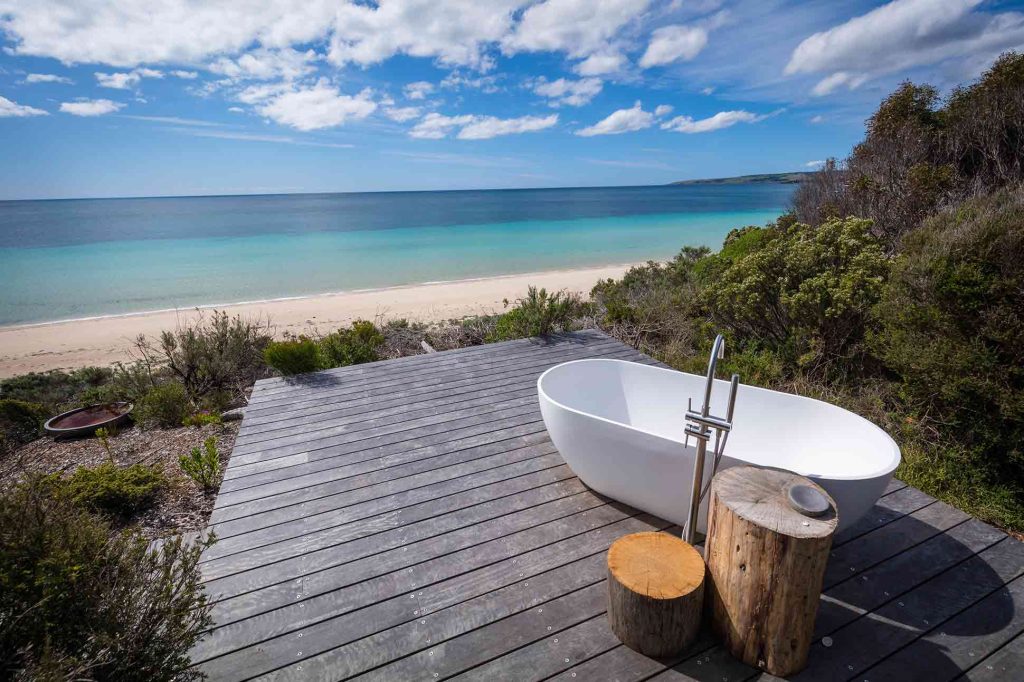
[
  {"x": 826, "y": 641},
  {"x": 567, "y": 660},
  {"x": 423, "y": 622},
  {"x": 556, "y": 640}
]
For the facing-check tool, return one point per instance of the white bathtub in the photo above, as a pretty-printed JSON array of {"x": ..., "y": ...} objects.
[{"x": 619, "y": 426}]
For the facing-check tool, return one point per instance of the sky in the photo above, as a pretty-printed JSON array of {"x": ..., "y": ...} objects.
[{"x": 108, "y": 98}]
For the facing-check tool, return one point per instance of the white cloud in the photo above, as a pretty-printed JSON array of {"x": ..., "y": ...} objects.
[
  {"x": 259, "y": 137},
  {"x": 900, "y": 35},
  {"x": 455, "y": 32},
  {"x": 186, "y": 75},
  {"x": 817, "y": 119},
  {"x": 418, "y": 90},
  {"x": 577, "y": 27},
  {"x": 673, "y": 43},
  {"x": 828, "y": 84},
  {"x": 315, "y": 107},
  {"x": 572, "y": 93},
  {"x": 708, "y": 90},
  {"x": 621, "y": 121},
  {"x": 663, "y": 110},
  {"x": 90, "y": 107},
  {"x": 13, "y": 109},
  {"x": 236, "y": 110},
  {"x": 435, "y": 126},
  {"x": 723, "y": 119},
  {"x": 601, "y": 63},
  {"x": 266, "y": 64},
  {"x": 402, "y": 114},
  {"x": 813, "y": 164},
  {"x": 486, "y": 84},
  {"x": 126, "y": 80},
  {"x": 47, "y": 78},
  {"x": 175, "y": 120}
]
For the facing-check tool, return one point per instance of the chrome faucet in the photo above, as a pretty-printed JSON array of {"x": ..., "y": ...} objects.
[{"x": 700, "y": 425}]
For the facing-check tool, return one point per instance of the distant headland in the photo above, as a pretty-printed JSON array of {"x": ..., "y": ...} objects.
[{"x": 787, "y": 178}]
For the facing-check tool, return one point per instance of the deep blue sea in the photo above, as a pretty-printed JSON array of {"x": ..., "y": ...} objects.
[{"x": 67, "y": 259}]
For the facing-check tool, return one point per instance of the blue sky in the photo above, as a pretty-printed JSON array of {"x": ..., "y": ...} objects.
[{"x": 181, "y": 97}]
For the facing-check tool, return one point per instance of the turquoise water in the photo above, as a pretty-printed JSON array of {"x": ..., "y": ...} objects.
[{"x": 67, "y": 277}]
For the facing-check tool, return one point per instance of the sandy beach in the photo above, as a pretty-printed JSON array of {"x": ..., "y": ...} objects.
[{"x": 103, "y": 341}]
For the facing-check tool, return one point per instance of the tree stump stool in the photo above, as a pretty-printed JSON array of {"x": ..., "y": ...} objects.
[
  {"x": 769, "y": 536},
  {"x": 655, "y": 592}
]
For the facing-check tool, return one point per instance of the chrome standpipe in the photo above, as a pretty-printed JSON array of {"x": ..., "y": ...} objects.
[{"x": 699, "y": 426}]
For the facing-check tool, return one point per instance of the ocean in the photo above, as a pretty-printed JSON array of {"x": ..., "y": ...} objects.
[{"x": 77, "y": 258}]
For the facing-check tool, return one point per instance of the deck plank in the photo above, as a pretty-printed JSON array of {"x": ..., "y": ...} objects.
[{"x": 411, "y": 519}]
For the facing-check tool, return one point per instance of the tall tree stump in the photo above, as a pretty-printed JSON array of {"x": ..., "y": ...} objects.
[
  {"x": 655, "y": 592},
  {"x": 769, "y": 536}
]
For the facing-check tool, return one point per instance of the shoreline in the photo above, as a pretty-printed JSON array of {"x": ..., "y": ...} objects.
[{"x": 103, "y": 339}]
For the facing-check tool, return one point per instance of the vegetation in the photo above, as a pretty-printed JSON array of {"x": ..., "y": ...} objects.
[
  {"x": 200, "y": 419},
  {"x": 293, "y": 356},
  {"x": 203, "y": 466},
  {"x": 166, "y": 405},
  {"x": 21, "y": 421},
  {"x": 361, "y": 342},
  {"x": 79, "y": 602},
  {"x": 537, "y": 314},
  {"x": 109, "y": 488}
]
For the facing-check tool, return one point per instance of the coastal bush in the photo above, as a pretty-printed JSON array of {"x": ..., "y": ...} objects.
[
  {"x": 402, "y": 337},
  {"x": 165, "y": 405},
  {"x": 952, "y": 327},
  {"x": 20, "y": 421},
  {"x": 203, "y": 466},
  {"x": 56, "y": 391},
  {"x": 213, "y": 354},
  {"x": 804, "y": 293},
  {"x": 78, "y": 601},
  {"x": 537, "y": 314},
  {"x": 109, "y": 488},
  {"x": 293, "y": 356},
  {"x": 361, "y": 342},
  {"x": 200, "y": 419}
]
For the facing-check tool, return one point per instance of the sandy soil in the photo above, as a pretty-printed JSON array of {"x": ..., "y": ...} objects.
[{"x": 103, "y": 341}]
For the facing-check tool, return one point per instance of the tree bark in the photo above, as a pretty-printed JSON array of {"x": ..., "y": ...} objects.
[
  {"x": 655, "y": 593},
  {"x": 766, "y": 562}
]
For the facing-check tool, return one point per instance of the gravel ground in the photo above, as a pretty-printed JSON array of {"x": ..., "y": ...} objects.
[{"x": 180, "y": 508}]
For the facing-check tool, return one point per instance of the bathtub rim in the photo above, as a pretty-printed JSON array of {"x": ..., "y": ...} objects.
[{"x": 895, "y": 456}]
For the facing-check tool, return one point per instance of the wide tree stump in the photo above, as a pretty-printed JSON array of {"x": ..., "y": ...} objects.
[
  {"x": 655, "y": 592},
  {"x": 769, "y": 536}
]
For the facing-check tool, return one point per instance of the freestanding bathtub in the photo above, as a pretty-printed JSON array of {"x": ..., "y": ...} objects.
[{"x": 619, "y": 426}]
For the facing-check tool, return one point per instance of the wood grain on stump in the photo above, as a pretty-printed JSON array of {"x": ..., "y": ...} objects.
[
  {"x": 655, "y": 592},
  {"x": 766, "y": 562}
]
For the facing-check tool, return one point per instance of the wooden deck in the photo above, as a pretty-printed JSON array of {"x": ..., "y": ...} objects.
[{"x": 411, "y": 520}]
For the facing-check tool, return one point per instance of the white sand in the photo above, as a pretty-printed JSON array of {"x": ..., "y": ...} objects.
[{"x": 103, "y": 341}]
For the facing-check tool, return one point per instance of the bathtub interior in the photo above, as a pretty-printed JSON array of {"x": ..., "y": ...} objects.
[{"x": 771, "y": 428}]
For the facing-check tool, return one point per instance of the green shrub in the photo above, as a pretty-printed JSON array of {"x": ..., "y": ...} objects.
[
  {"x": 213, "y": 354},
  {"x": 21, "y": 422},
  {"x": 952, "y": 327},
  {"x": 77, "y": 602},
  {"x": 110, "y": 488},
  {"x": 359, "y": 343},
  {"x": 203, "y": 466},
  {"x": 293, "y": 356},
  {"x": 56, "y": 391},
  {"x": 805, "y": 293},
  {"x": 537, "y": 314},
  {"x": 201, "y": 419},
  {"x": 166, "y": 405}
]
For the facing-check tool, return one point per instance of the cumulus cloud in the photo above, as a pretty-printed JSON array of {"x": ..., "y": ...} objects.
[
  {"x": 418, "y": 90},
  {"x": 621, "y": 121},
  {"x": 568, "y": 92},
  {"x": 723, "y": 119},
  {"x": 402, "y": 114},
  {"x": 126, "y": 80},
  {"x": 900, "y": 35},
  {"x": 315, "y": 107},
  {"x": 601, "y": 63},
  {"x": 456, "y": 80},
  {"x": 266, "y": 64},
  {"x": 663, "y": 110},
  {"x": 47, "y": 78},
  {"x": 674, "y": 43},
  {"x": 817, "y": 119},
  {"x": 90, "y": 107},
  {"x": 814, "y": 164},
  {"x": 435, "y": 126},
  {"x": 577, "y": 27},
  {"x": 9, "y": 109},
  {"x": 455, "y": 32},
  {"x": 187, "y": 75}
]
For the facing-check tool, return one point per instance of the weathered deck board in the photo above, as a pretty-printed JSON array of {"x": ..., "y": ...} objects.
[{"x": 410, "y": 519}]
